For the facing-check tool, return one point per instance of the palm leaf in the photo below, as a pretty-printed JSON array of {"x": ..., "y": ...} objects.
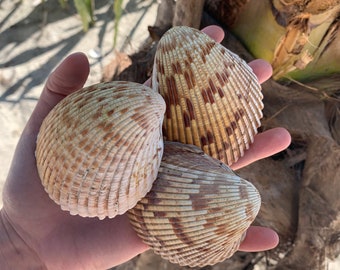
[
  {"x": 117, "y": 9},
  {"x": 85, "y": 9}
]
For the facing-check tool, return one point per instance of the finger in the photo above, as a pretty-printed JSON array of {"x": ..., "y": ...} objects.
[
  {"x": 259, "y": 239},
  {"x": 265, "y": 144},
  {"x": 262, "y": 69},
  {"x": 215, "y": 32},
  {"x": 68, "y": 77}
]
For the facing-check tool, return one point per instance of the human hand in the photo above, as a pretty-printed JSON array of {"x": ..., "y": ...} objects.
[{"x": 61, "y": 241}]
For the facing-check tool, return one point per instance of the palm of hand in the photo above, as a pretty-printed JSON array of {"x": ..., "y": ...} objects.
[{"x": 85, "y": 243}]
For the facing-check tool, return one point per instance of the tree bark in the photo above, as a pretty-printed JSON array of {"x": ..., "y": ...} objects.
[
  {"x": 165, "y": 13},
  {"x": 188, "y": 13}
]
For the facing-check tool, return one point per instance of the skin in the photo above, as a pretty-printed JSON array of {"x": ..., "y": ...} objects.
[{"x": 34, "y": 232}]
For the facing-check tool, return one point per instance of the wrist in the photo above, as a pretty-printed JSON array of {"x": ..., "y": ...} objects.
[{"x": 15, "y": 253}]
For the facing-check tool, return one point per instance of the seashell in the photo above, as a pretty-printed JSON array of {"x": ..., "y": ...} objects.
[
  {"x": 99, "y": 150},
  {"x": 213, "y": 98},
  {"x": 197, "y": 210}
]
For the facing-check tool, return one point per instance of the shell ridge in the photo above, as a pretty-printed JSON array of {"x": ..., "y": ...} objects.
[
  {"x": 50, "y": 156},
  {"x": 205, "y": 107},
  {"x": 237, "y": 127},
  {"x": 115, "y": 186},
  {"x": 132, "y": 130},
  {"x": 91, "y": 142},
  {"x": 234, "y": 124},
  {"x": 138, "y": 156},
  {"x": 67, "y": 196},
  {"x": 228, "y": 148},
  {"x": 92, "y": 200}
]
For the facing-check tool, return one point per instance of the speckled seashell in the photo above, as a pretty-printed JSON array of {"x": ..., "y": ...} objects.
[
  {"x": 213, "y": 97},
  {"x": 197, "y": 210},
  {"x": 99, "y": 150}
]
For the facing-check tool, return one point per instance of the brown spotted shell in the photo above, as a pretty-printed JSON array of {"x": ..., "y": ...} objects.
[
  {"x": 197, "y": 210},
  {"x": 213, "y": 99},
  {"x": 99, "y": 150}
]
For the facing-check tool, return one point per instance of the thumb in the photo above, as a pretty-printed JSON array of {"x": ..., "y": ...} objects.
[{"x": 68, "y": 77}]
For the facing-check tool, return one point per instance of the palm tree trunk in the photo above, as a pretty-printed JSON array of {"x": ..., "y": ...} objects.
[{"x": 299, "y": 38}]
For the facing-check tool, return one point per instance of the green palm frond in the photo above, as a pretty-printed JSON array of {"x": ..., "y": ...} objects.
[
  {"x": 117, "y": 9},
  {"x": 85, "y": 9}
]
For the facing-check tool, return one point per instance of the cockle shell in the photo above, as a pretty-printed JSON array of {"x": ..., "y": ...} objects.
[
  {"x": 197, "y": 210},
  {"x": 213, "y": 98},
  {"x": 99, "y": 150}
]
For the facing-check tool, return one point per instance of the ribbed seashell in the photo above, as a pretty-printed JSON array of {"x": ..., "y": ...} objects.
[
  {"x": 99, "y": 150},
  {"x": 213, "y": 97},
  {"x": 197, "y": 210}
]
